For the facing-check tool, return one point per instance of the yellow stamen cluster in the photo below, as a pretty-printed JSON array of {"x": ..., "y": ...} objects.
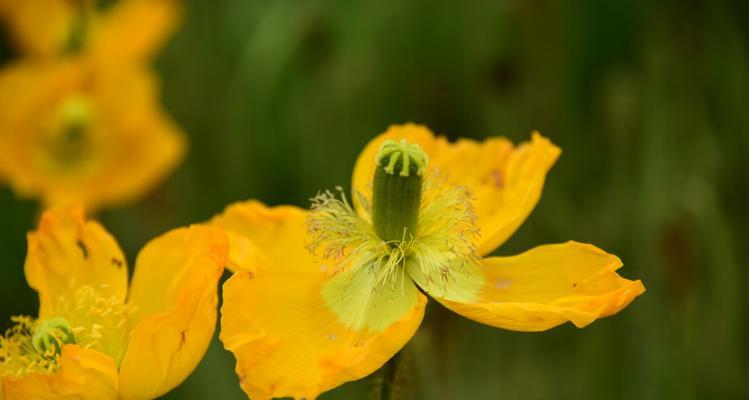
[
  {"x": 19, "y": 356},
  {"x": 98, "y": 321},
  {"x": 444, "y": 239},
  {"x": 447, "y": 230},
  {"x": 93, "y": 319},
  {"x": 337, "y": 233}
]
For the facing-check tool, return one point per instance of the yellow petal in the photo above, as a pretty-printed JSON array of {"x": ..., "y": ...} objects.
[
  {"x": 284, "y": 319},
  {"x": 84, "y": 374},
  {"x": 147, "y": 146},
  {"x": 504, "y": 181},
  {"x": 39, "y": 27},
  {"x": 537, "y": 290},
  {"x": 293, "y": 328},
  {"x": 66, "y": 252},
  {"x": 134, "y": 30},
  {"x": 26, "y": 91},
  {"x": 289, "y": 341},
  {"x": 174, "y": 295},
  {"x": 265, "y": 237}
]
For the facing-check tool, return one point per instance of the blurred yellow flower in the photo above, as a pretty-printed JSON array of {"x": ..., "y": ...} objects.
[
  {"x": 95, "y": 338},
  {"x": 125, "y": 30},
  {"x": 327, "y": 296},
  {"x": 80, "y": 121},
  {"x": 74, "y": 134}
]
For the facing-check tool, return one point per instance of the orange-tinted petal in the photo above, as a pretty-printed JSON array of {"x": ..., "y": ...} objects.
[
  {"x": 84, "y": 374},
  {"x": 174, "y": 295},
  {"x": 38, "y": 27},
  {"x": 134, "y": 30},
  {"x": 265, "y": 237},
  {"x": 537, "y": 290},
  {"x": 504, "y": 181},
  {"x": 66, "y": 252},
  {"x": 288, "y": 341}
]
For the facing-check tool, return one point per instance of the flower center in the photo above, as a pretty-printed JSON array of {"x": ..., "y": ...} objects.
[
  {"x": 396, "y": 190},
  {"x": 97, "y": 319},
  {"x": 421, "y": 224},
  {"x": 67, "y": 144},
  {"x": 86, "y": 317},
  {"x": 425, "y": 222},
  {"x": 51, "y": 334},
  {"x": 33, "y": 346}
]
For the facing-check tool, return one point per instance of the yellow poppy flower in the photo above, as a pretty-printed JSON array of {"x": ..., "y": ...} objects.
[
  {"x": 126, "y": 30},
  {"x": 97, "y": 338},
  {"x": 426, "y": 210},
  {"x": 71, "y": 133}
]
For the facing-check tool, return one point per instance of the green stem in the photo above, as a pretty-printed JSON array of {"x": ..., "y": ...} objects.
[{"x": 389, "y": 374}]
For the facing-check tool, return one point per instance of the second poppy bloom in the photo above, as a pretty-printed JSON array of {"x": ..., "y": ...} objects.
[{"x": 96, "y": 336}]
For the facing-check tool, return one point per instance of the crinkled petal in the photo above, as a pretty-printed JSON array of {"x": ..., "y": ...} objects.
[
  {"x": 300, "y": 333},
  {"x": 265, "y": 237},
  {"x": 504, "y": 181},
  {"x": 66, "y": 252},
  {"x": 295, "y": 326},
  {"x": 174, "y": 295},
  {"x": 536, "y": 290},
  {"x": 84, "y": 374}
]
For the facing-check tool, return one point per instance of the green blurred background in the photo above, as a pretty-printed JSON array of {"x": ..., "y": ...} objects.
[{"x": 648, "y": 100}]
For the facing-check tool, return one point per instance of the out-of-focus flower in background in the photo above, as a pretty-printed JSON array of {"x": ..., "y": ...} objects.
[
  {"x": 98, "y": 337},
  {"x": 324, "y": 297},
  {"x": 80, "y": 119},
  {"x": 71, "y": 134},
  {"x": 126, "y": 30}
]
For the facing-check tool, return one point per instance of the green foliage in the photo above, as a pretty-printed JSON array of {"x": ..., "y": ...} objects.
[{"x": 647, "y": 100}]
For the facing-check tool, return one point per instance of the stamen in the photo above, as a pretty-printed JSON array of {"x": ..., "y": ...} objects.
[
  {"x": 436, "y": 232},
  {"x": 18, "y": 354},
  {"x": 340, "y": 235},
  {"x": 52, "y": 334},
  {"x": 335, "y": 229},
  {"x": 95, "y": 318},
  {"x": 86, "y": 317},
  {"x": 447, "y": 230}
]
